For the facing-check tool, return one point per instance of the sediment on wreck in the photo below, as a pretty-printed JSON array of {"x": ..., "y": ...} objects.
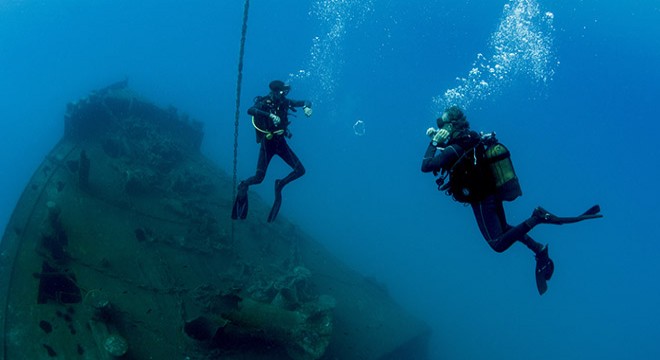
[{"x": 120, "y": 246}]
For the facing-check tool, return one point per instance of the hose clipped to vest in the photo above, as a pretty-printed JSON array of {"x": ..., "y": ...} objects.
[
  {"x": 267, "y": 134},
  {"x": 239, "y": 80}
]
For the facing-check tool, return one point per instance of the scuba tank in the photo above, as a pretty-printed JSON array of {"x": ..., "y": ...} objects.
[{"x": 498, "y": 158}]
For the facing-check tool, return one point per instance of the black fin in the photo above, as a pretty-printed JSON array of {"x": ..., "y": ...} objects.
[
  {"x": 541, "y": 284},
  {"x": 277, "y": 203},
  {"x": 240, "y": 209},
  {"x": 544, "y": 270},
  {"x": 546, "y": 217},
  {"x": 592, "y": 210}
]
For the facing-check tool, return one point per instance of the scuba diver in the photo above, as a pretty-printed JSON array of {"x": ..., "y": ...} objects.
[
  {"x": 481, "y": 174},
  {"x": 270, "y": 118}
]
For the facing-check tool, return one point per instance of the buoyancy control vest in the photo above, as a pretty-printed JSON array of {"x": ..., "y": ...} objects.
[
  {"x": 263, "y": 125},
  {"x": 484, "y": 169}
]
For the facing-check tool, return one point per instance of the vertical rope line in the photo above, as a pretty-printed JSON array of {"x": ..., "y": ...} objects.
[{"x": 239, "y": 80}]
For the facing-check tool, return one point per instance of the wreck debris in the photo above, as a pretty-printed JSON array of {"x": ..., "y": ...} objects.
[
  {"x": 305, "y": 334},
  {"x": 83, "y": 170},
  {"x": 120, "y": 248}
]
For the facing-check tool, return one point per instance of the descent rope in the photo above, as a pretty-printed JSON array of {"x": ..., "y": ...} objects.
[{"x": 238, "y": 101}]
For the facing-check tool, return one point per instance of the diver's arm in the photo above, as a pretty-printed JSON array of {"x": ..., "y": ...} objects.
[
  {"x": 444, "y": 160},
  {"x": 306, "y": 105},
  {"x": 428, "y": 164},
  {"x": 300, "y": 103},
  {"x": 255, "y": 111}
]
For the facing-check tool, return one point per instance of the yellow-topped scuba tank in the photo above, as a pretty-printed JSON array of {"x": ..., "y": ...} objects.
[{"x": 499, "y": 162}]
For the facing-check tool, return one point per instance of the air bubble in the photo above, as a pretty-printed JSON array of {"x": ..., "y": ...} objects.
[
  {"x": 359, "y": 128},
  {"x": 521, "y": 47}
]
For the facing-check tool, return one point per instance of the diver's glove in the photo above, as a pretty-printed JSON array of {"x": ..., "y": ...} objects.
[
  {"x": 275, "y": 118},
  {"x": 307, "y": 110}
]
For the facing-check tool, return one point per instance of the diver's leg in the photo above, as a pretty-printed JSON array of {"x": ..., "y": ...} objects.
[
  {"x": 531, "y": 244},
  {"x": 292, "y": 160},
  {"x": 285, "y": 152},
  {"x": 265, "y": 156},
  {"x": 240, "y": 207},
  {"x": 498, "y": 233},
  {"x": 500, "y": 236},
  {"x": 491, "y": 219}
]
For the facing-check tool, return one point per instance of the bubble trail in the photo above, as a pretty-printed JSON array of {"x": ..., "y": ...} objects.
[{"x": 521, "y": 47}]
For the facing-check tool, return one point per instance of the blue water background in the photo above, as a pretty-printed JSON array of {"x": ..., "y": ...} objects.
[{"x": 585, "y": 133}]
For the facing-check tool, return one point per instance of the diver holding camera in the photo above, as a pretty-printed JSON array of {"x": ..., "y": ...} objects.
[{"x": 481, "y": 174}]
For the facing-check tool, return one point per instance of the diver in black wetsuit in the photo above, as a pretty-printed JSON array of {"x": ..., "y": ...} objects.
[
  {"x": 481, "y": 174},
  {"x": 270, "y": 118}
]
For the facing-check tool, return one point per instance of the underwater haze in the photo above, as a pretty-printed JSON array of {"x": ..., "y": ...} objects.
[{"x": 570, "y": 86}]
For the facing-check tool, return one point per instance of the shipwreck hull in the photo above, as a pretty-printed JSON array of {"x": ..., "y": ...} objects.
[{"x": 121, "y": 246}]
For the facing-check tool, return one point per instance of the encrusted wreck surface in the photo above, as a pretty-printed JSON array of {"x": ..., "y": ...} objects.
[{"x": 121, "y": 246}]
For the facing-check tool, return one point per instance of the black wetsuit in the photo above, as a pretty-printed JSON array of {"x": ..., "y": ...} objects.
[
  {"x": 275, "y": 143},
  {"x": 468, "y": 159},
  {"x": 488, "y": 209}
]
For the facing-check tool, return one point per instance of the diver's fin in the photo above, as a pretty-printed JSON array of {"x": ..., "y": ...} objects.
[
  {"x": 240, "y": 209},
  {"x": 277, "y": 203},
  {"x": 544, "y": 270},
  {"x": 541, "y": 284},
  {"x": 594, "y": 210},
  {"x": 545, "y": 217}
]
